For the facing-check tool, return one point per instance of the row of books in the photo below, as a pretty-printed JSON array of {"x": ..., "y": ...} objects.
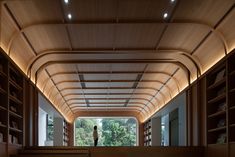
[{"x": 11, "y": 139}]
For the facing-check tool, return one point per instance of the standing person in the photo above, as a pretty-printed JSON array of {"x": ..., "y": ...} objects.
[{"x": 95, "y": 136}]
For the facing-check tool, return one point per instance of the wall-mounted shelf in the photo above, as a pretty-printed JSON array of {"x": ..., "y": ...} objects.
[
  {"x": 11, "y": 105},
  {"x": 147, "y": 133},
  {"x": 221, "y": 104},
  {"x": 66, "y": 133}
]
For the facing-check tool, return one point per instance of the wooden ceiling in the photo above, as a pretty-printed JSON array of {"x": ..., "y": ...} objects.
[{"x": 115, "y": 56}]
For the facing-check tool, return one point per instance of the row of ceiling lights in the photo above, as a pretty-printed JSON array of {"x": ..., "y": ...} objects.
[
  {"x": 69, "y": 14},
  {"x": 165, "y": 15}
]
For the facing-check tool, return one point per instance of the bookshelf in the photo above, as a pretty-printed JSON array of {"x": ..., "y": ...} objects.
[
  {"x": 65, "y": 133},
  {"x": 217, "y": 106},
  {"x": 11, "y": 105},
  {"x": 231, "y": 99},
  {"x": 147, "y": 133},
  {"x": 4, "y": 99},
  {"x": 15, "y": 109}
]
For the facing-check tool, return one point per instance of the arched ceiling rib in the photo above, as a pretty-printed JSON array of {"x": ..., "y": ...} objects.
[
  {"x": 160, "y": 54},
  {"x": 112, "y": 72},
  {"x": 131, "y": 56},
  {"x": 123, "y": 21}
]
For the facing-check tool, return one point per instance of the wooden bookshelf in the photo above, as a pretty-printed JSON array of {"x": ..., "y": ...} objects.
[
  {"x": 11, "y": 105},
  {"x": 66, "y": 133},
  {"x": 231, "y": 98},
  {"x": 15, "y": 106},
  {"x": 147, "y": 133},
  {"x": 217, "y": 106},
  {"x": 221, "y": 105},
  {"x": 4, "y": 99}
]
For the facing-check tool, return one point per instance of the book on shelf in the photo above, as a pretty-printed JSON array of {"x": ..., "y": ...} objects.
[
  {"x": 220, "y": 75},
  {"x": 1, "y": 68},
  {"x": 221, "y": 123},
  {"x": 1, "y": 137},
  {"x": 221, "y": 91},
  {"x": 15, "y": 140},
  {"x": 13, "y": 93},
  {"x": 14, "y": 125},
  {"x": 221, "y": 138},
  {"x": 13, "y": 109},
  {"x": 10, "y": 138},
  {"x": 221, "y": 107},
  {"x": 13, "y": 78}
]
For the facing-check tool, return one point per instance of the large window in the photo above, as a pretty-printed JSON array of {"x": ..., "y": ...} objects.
[{"x": 111, "y": 131}]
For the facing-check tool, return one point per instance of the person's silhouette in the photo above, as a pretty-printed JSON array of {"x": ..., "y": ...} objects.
[{"x": 95, "y": 136}]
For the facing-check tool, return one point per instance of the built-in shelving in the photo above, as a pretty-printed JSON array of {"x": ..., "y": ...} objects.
[
  {"x": 66, "y": 133},
  {"x": 11, "y": 105},
  {"x": 231, "y": 98},
  {"x": 147, "y": 133},
  {"x": 221, "y": 103},
  {"x": 4, "y": 99},
  {"x": 217, "y": 105}
]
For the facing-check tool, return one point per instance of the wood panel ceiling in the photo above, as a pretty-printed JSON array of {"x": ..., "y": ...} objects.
[{"x": 115, "y": 56}]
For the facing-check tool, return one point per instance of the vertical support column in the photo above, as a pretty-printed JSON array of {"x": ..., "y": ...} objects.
[
  {"x": 71, "y": 134},
  {"x": 156, "y": 131},
  {"x": 31, "y": 115},
  {"x": 58, "y": 131},
  {"x": 141, "y": 134}
]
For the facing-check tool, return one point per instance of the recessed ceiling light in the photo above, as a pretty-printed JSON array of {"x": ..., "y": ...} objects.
[
  {"x": 66, "y": 1},
  {"x": 172, "y": 1},
  {"x": 69, "y": 16},
  {"x": 165, "y": 15}
]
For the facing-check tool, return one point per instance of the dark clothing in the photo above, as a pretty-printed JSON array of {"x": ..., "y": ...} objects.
[{"x": 95, "y": 142}]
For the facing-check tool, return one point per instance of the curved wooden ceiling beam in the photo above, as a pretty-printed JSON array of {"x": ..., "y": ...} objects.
[
  {"x": 112, "y": 72},
  {"x": 114, "y": 61},
  {"x": 161, "y": 55},
  {"x": 111, "y": 113},
  {"x": 50, "y": 90},
  {"x": 80, "y": 94},
  {"x": 102, "y": 109},
  {"x": 129, "y": 114},
  {"x": 136, "y": 108},
  {"x": 109, "y": 81},
  {"x": 77, "y": 99},
  {"x": 64, "y": 89},
  {"x": 122, "y": 21},
  {"x": 53, "y": 98},
  {"x": 105, "y": 106}
]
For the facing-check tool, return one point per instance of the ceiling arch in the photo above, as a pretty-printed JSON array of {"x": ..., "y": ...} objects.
[{"x": 133, "y": 53}]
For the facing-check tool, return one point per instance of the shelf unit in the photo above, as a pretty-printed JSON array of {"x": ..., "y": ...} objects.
[
  {"x": 15, "y": 106},
  {"x": 217, "y": 105},
  {"x": 147, "y": 133},
  {"x": 231, "y": 99},
  {"x": 11, "y": 105},
  {"x": 65, "y": 133},
  {"x": 4, "y": 99}
]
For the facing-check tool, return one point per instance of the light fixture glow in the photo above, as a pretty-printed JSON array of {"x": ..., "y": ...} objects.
[
  {"x": 172, "y": 1},
  {"x": 66, "y": 1},
  {"x": 69, "y": 16},
  {"x": 165, "y": 15}
]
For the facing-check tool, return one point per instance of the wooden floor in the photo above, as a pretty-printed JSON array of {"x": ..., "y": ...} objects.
[{"x": 111, "y": 152}]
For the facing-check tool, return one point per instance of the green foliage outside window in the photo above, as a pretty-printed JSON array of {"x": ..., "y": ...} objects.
[{"x": 112, "y": 131}]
